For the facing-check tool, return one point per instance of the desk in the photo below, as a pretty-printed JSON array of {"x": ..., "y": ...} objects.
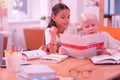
[{"x": 99, "y": 72}]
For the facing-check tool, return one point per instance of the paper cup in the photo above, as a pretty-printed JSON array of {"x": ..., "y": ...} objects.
[{"x": 13, "y": 61}]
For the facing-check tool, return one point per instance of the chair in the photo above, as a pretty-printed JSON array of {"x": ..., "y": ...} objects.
[
  {"x": 115, "y": 32},
  {"x": 34, "y": 37},
  {"x": 4, "y": 41}
]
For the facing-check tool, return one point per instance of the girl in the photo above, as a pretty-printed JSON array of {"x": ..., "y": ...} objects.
[{"x": 59, "y": 21}]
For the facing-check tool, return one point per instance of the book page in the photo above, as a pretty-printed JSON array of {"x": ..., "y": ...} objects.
[
  {"x": 116, "y": 57},
  {"x": 33, "y": 54},
  {"x": 95, "y": 39},
  {"x": 115, "y": 54},
  {"x": 81, "y": 46}
]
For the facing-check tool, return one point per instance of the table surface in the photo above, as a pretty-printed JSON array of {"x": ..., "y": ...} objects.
[{"x": 99, "y": 72}]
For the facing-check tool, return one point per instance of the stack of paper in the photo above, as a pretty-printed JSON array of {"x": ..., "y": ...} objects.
[{"x": 36, "y": 71}]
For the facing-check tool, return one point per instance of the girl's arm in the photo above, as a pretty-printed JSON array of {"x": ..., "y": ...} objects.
[{"x": 50, "y": 38}]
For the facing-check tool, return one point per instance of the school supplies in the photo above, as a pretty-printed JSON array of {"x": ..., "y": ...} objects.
[{"x": 53, "y": 58}]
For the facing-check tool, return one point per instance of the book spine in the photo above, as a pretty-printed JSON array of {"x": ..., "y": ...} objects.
[{"x": 48, "y": 61}]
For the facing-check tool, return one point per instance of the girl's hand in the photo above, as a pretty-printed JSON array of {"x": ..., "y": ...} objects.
[
  {"x": 52, "y": 47},
  {"x": 62, "y": 50},
  {"x": 44, "y": 48}
]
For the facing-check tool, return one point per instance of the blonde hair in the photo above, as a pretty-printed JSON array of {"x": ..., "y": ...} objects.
[{"x": 87, "y": 16}]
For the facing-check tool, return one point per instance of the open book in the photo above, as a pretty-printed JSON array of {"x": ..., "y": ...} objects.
[
  {"x": 106, "y": 59},
  {"x": 82, "y": 46},
  {"x": 33, "y": 54},
  {"x": 53, "y": 58}
]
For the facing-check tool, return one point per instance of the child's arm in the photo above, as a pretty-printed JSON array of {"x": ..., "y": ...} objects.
[
  {"x": 50, "y": 39},
  {"x": 52, "y": 46}
]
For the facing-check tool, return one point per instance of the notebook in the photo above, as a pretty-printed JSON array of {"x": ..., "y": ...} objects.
[
  {"x": 54, "y": 58},
  {"x": 2, "y": 61},
  {"x": 82, "y": 46}
]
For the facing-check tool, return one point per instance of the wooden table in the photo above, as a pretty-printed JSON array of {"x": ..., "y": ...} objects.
[{"x": 99, "y": 72}]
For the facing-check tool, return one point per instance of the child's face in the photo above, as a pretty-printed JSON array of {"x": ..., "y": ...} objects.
[
  {"x": 90, "y": 27},
  {"x": 62, "y": 19}
]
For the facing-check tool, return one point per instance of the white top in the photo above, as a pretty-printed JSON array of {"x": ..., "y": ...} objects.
[
  {"x": 70, "y": 30},
  {"x": 48, "y": 36},
  {"x": 109, "y": 41}
]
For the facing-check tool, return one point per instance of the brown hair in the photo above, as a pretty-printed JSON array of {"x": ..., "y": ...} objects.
[{"x": 55, "y": 10}]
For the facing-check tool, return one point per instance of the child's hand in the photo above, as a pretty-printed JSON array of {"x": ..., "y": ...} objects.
[
  {"x": 52, "y": 47},
  {"x": 44, "y": 48},
  {"x": 62, "y": 50},
  {"x": 102, "y": 51}
]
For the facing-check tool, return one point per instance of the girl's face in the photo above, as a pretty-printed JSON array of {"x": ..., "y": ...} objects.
[
  {"x": 90, "y": 27},
  {"x": 62, "y": 19}
]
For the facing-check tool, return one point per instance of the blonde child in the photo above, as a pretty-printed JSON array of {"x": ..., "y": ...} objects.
[{"x": 89, "y": 25}]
